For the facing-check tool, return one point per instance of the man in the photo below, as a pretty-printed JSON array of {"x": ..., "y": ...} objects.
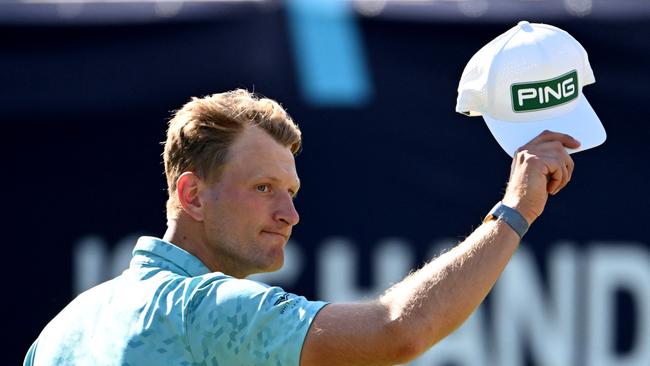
[{"x": 229, "y": 162}]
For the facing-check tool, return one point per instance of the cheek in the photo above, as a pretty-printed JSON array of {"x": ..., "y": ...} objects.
[
  {"x": 223, "y": 208},
  {"x": 246, "y": 210},
  {"x": 240, "y": 210}
]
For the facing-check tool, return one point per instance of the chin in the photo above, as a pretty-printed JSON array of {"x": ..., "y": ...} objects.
[{"x": 274, "y": 263}]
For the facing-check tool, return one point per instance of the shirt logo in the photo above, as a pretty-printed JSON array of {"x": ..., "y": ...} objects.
[
  {"x": 527, "y": 97},
  {"x": 284, "y": 297}
]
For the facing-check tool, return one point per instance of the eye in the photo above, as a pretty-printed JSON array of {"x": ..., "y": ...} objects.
[{"x": 264, "y": 188}]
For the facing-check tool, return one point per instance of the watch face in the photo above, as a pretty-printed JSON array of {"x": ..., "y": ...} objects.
[{"x": 489, "y": 217}]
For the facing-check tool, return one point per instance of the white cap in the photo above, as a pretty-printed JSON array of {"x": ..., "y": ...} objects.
[{"x": 527, "y": 80}]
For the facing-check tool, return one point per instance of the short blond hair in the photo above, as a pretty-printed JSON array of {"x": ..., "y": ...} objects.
[{"x": 201, "y": 132}]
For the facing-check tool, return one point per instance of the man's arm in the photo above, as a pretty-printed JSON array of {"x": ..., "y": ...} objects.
[{"x": 435, "y": 300}]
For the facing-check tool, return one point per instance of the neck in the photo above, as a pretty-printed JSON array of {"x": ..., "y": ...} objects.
[
  {"x": 189, "y": 239},
  {"x": 187, "y": 234},
  {"x": 173, "y": 235}
]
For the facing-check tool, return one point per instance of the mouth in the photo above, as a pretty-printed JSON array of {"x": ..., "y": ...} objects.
[{"x": 276, "y": 233}]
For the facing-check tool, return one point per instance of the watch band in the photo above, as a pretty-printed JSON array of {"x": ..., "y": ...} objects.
[{"x": 510, "y": 216}]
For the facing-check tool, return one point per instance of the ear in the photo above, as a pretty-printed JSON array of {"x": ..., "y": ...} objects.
[{"x": 188, "y": 188}]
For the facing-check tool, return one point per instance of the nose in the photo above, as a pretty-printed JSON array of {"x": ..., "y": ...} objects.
[{"x": 286, "y": 211}]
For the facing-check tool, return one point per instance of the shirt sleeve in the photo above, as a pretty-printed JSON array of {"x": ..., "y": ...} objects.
[
  {"x": 29, "y": 358},
  {"x": 242, "y": 322}
]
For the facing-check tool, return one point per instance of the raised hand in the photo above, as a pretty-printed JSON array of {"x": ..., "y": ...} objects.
[{"x": 539, "y": 168}]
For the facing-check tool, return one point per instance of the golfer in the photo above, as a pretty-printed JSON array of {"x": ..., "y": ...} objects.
[{"x": 231, "y": 175}]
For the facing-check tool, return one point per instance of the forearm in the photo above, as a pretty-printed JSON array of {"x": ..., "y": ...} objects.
[
  {"x": 417, "y": 312},
  {"x": 435, "y": 300}
]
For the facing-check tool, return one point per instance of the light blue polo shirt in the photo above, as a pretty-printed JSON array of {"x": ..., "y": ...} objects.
[{"x": 167, "y": 308}]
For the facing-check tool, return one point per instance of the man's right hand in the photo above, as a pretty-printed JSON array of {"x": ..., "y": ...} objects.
[{"x": 539, "y": 168}]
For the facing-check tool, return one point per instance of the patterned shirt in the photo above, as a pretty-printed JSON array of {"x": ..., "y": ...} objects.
[{"x": 167, "y": 308}]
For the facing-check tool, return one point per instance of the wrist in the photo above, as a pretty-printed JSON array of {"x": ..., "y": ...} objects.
[
  {"x": 522, "y": 209},
  {"x": 510, "y": 216}
]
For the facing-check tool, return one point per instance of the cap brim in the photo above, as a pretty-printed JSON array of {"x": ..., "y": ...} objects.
[{"x": 582, "y": 123}]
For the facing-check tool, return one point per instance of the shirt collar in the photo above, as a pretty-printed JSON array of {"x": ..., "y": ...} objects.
[{"x": 157, "y": 250}]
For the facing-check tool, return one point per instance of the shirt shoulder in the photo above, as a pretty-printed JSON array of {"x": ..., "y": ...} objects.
[
  {"x": 29, "y": 358},
  {"x": 244, "y": 322}
]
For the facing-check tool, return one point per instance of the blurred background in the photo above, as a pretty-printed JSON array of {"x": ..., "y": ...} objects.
[{"x": 391, "y": 175}]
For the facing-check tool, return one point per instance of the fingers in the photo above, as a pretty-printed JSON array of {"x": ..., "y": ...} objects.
[
  {"x": 559, "y": 177},
  {"x": 566, "y": 140},
  {"x": 550, "y": 149},
  {"x": 559, "y": 164},
  {"x": 570, "y": 165},
  {"x": 555, "y": 179},
  {"x": 539, "y": 168}
]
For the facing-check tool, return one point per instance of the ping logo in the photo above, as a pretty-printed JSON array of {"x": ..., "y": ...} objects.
[{"x": 527, "y": 97}]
